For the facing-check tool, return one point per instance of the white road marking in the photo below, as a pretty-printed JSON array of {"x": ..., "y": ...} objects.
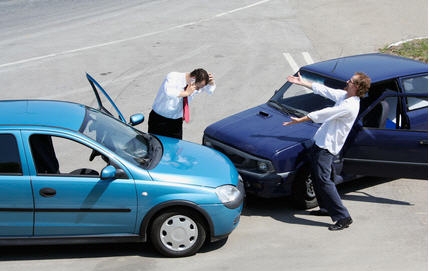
[
  {"x": 32, "y": 59},
  {"x": 307, "y": 58},
  {"x": 291, "y": 62},
  {"x": 242, "y": 8}
]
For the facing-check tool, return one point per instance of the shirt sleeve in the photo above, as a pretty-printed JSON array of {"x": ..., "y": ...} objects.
[
  {"x": 207, "y": 88},
  {"x": 329, "y": 113},
  {"x": 327, "y": 92},
  {"x": 171, "y": 87}
]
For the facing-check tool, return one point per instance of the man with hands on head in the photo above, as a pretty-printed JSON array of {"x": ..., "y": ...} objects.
[
  {"x": 336, "y": 123},
  {"x": 167, "y": 115}
]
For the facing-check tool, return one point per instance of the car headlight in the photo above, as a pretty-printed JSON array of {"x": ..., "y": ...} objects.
[
  {"x": 207, "y": 142},
  {"x": 260, "y": 166},
  {"x": 263, "y": 166},
  {"x": 230, "y": 196}
]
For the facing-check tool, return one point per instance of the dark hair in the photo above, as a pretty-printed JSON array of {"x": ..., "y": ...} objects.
[
  {"x": 200, "y": 75},
  {"x": 363, "y": 83}
]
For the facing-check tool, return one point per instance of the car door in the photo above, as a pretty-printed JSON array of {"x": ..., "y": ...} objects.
[
  {"x": 70, "y": 197},
  {"x": 98, "y": 89},
  {"x": 396, "y": 148},
  {"x": 16, "y": 199}
]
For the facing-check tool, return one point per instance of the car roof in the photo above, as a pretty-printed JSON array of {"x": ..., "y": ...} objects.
[
  {"x": 42, "y": 112},
  {"x": 379, "y": 67}
]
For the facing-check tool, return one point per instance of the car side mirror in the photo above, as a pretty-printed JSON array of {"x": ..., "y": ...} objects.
[
  {"x": 136, "y": 119},
  {"x": 108, "y": 173}
]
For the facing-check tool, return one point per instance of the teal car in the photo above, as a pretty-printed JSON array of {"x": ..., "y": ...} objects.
[{"x": 70, "y": 173}]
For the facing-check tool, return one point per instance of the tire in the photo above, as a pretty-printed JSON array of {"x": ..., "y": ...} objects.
[
  {"x": 303, "y": 194},
  {"x": 178, "y": 233}
]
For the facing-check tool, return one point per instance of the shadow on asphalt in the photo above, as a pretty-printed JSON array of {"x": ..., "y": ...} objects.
[
  {"x": 280, "y": 209},
  {"x": 49, "y": 252}
]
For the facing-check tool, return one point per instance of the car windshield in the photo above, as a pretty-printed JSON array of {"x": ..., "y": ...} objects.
[
  {"x": 298, "y": 100},
  {"x": 132, "y": 145}
]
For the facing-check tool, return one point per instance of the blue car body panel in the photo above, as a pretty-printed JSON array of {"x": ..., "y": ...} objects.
[
  {"x": 262, "y": 137},
  {"x": 184, "y": 161},
  {"x": 44, "y": 113},
  {"x": 379, "y": 67}
]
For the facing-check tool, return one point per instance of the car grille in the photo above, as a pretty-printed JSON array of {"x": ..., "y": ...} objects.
[{"x": 241, "y": 160}]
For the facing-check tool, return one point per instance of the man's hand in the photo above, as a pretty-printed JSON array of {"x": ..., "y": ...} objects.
[
  {"x": 299, "y": 81},
  {"x": 211, "y": 79},
  {"x": 296, "y": 120},
  {"x": 293, "y": 121},
  {"x": 295, "y": 79},
  {"x": 190, "y": 89}
]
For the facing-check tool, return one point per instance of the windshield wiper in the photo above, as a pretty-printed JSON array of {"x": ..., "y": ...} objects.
[
  {"x": 286, "y": 109},
  {"x": 295, "y": 112},
  {"x": 276, "y": 104}
]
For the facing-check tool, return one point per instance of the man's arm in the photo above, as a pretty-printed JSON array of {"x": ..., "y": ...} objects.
[
  {"x": 296, "y": 120},
  {"x": 187, "y": 91},
  {"x": 299, "y": 81}
]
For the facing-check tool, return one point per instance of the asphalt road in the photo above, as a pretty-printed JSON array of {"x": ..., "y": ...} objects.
[{"x": 251, "y": 46}]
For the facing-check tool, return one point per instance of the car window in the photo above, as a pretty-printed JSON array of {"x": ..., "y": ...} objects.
[
  {"x": 63, "y": 156},
  {"x": 299, "y": 100},
  {"x": 9, "y": 155},
  {"x": 416, "y": 85},
  {"x": 382, "y": 115},
  {"x": 418, "y": 116},
  {"x": 125, "y": 141}
]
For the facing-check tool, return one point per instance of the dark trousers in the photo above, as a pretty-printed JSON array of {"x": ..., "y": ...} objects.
[
  {"x": 160, "y": 125},
  {"x": 326, "y": 192}
]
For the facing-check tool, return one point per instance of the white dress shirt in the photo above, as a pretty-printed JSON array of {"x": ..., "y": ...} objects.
[
  {"x": 167, "y": 102},
  {"x": 337, "y": 121}
]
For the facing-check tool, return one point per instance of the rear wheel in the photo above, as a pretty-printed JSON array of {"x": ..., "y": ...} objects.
[
  {"x": 178, "y": 233},
  {"x": 303, "y": 194}
]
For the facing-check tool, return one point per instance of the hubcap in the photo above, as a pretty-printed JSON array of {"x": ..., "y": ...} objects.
[
  {"x": 309, "y": 188},
  {"x": 179, "y": 232}
]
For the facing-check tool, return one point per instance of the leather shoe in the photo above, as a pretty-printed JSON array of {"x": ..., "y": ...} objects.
[
  {"x": 341, "y": 224},
  {"x": 319, "y": 213}
]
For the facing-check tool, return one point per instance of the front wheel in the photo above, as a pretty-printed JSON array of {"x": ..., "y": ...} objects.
[
  {"x": 178, "y": 233},
  {"x": 303, "y": 193}
]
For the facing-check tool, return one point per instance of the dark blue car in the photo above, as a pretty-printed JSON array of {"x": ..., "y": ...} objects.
[{"x": 389, "y": 138}]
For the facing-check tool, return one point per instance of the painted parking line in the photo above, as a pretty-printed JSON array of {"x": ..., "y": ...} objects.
[
  {"x": 307, "y": 58},
  {"x": 145, "y": 35},
  {"x": 293, "y": 64},
  {"x": 291, "y": 61}
]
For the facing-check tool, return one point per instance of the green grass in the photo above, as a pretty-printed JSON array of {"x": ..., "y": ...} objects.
[{"x": 415, "y": 49}]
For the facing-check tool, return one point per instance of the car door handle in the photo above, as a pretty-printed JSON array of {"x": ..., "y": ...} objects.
[
  {"x": 423, "y": 142},
  {"x": 47, "y": 192}
]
